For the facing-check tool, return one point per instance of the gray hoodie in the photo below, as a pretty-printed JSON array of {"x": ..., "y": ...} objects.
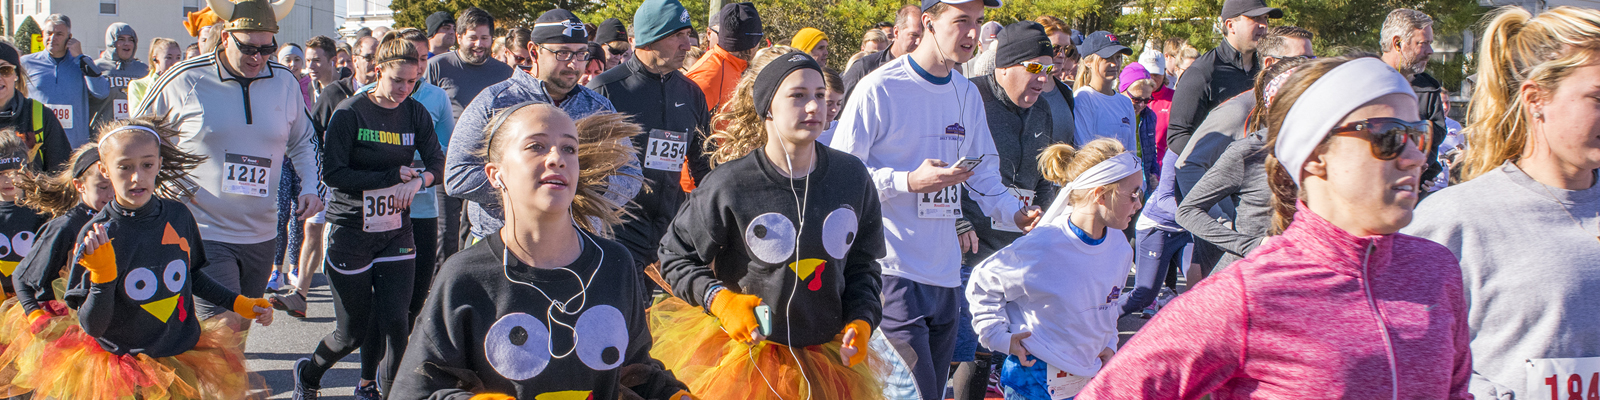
[{"x": 119, "y": 73}]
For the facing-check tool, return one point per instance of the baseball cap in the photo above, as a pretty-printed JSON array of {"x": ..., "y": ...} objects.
[{"x": 1249, "y": 8}]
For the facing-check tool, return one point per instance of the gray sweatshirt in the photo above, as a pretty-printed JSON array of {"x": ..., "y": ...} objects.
[
  {"x": 1222, "y": 126},
  {"x": 1240, "y": 176},
  {"x": 1529, "y": 263}
]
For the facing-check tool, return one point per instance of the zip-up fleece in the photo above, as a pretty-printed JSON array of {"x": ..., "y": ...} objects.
[{"x": 1316, "y": 313}]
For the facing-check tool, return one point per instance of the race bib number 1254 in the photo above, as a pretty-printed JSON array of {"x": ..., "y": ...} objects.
[{"x": 666, "y": 150}]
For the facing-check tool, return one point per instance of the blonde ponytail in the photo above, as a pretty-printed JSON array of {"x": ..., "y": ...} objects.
[{"x": 1061, "y": 163}]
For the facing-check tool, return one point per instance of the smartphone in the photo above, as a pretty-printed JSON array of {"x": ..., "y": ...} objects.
[
  {"x": 764, "y": 318},
  {"x": 968, "y": 163}
]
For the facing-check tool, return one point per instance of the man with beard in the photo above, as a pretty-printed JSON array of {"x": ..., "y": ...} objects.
[
  {"x": 464, "y": 73},
  {"x": 1407, "y": 43},
  {"x": 120, "y": 65}
]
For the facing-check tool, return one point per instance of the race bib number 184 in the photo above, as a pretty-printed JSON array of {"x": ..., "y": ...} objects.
[
  {"x": 1563, "y": 378},
  {"x": 246, "y": 175}
]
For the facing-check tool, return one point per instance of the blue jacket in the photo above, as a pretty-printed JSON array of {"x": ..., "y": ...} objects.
[{"x": 65, "y": 86}]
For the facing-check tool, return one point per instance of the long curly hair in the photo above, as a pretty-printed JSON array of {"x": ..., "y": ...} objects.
[
  {"x": 737, "y": 130},
  {"x": 53, "y": 194},
  {"x": 604, "y": 147},
  {"x": 173, "y": 181}
]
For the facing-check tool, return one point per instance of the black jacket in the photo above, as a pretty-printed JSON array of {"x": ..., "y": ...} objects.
[
  {"x": 34, "y": 278},
  {"x": 46, "y": 141},
  {"x": 329, "y": 100},
  {"x": 668, "y": 102},
  {"x": 1020, "y": 134},
  {"x": 1215, "y": 77},
  {"x": 1430, "y": 106}
]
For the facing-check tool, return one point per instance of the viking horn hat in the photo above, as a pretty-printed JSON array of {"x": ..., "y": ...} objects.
[{"x": 252, "y": 15}]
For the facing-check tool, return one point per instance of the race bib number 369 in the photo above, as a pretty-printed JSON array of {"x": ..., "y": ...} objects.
[
  {"x": 666, "y": 150},
  {"x": 246, "y": 175},
  {"x": 380, "y": 211},
  {"x": 1563, "y": 378},
  {"x": 940, "y": 204}
]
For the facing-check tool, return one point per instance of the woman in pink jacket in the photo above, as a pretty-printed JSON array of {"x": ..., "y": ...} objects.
[{"x": 1337, "y": 305}]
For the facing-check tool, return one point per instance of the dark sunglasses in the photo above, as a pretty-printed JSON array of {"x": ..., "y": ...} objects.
[
  {"x": 616, "y": 52},
  {"x": 252, "y": 51},
  {"x": 8, "y": 69},
  {"x": 1064, "y": 51},
  {"x": 1389, "y": 136},
  {"x": 1140, "y": 100}
]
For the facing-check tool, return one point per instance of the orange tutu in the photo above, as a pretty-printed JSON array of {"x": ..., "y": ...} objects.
[
  {"x": 693, "y": 346},
  {"x": 80, "y": 369}
]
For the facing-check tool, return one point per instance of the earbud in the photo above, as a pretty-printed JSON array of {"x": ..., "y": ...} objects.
[
  {"x": 499, "y": 184},
  {"x": 929, "y": 26}
]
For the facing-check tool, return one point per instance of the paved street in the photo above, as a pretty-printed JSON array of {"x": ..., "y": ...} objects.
[{"x": 272, "y": 350}]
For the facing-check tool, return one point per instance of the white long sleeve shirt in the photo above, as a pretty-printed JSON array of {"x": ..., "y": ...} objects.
[
  {"x": 1055, "y": 285},
  {"x": 1099, "y": 115},
  {"x": 894, "y": 120},
  {"x": 244, "y": 130}
]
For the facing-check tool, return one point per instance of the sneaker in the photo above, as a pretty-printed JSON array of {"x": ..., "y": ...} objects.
[
  {"x": 1165, "y": 297},
  {"x": 292, "y": 303},
  {"x": 302, "y": 391},
  {"x": 275, "y": 282},
  {"x": 368, "y": 391}
]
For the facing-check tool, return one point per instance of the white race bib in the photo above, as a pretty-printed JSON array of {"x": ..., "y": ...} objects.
[
  {"x": 666, "y": 150},
  {"x": 246, "y": 175},
  {"x": 1063, "y": 385},
  {"x": 1563, "y": 378},
  {"x": 379, "y": 211},
  {"x": 63, "y": 114},
  {"x": 941, "y": 204},
  {"x": 119, "y": 108},
  {"x": 1007, "y": 224}
]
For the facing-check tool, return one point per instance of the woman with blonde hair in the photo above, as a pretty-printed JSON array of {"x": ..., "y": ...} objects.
[
  {"x": 1526, "y": 218},
  {"x": 164, "y": 53},
  {"x": 1337, "y": 304}
]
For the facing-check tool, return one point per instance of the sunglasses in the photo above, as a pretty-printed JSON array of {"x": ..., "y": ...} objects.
[
  {"x": 616, "y": 51},
  {"x": 1389, "y": 136},
  {"x": 252, "y": 51},
  {"x": 1064, "y": 51},
  {"x": 8, "y": 70},
  {"x": 1037, "y": 68},
  {"x": 1140, "y": 100}
]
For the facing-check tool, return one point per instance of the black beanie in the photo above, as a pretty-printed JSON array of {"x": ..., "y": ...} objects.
[
  {"x": 596, "y": 52},
  {"x": 772, "y": 75},
  {"x": 437, "y": 20},
  {"x": 1021, "y": 41},
  {"x": 9, "y": 54},
  {"x": 610, "y": 31},
  {"x": 559, "y": 26},
  {"x": 739, "y": 28}
]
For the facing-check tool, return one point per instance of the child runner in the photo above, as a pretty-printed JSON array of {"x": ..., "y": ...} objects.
[{"x": 18, "y": 224}]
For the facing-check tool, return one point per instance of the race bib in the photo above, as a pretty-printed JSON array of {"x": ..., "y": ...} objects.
[
  {"x": 941, "y": 204},
  {"x": 63, "y": 114},
  {"x": 666, "y": 150},
  {"x": 1007, "y": 224},
  {"x": 1563, "y": 378},
  {"x": 246, "y": 175},
  {"x": 119, "y": 108},
  {"x": 380, "y": 211},
  {"x": 1063, "y": 385}
]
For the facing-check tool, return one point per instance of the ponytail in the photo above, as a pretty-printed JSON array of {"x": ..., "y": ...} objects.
[
  {"x": 55, "y": 194},
  {"x": 1061, "y": 163}
]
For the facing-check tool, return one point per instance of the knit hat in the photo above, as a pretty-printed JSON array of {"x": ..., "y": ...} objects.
[
  {"x": 738, "y": 27},
  {"x": 611, "y": 30},
  {"x": 596, "y": 52},
  {"x": 807, "y": 39},
  {"x": 9, "y": 54},
  {"x": 437, "y": 20},
  {"x": 559, "y": 26},
  {"x": 1021, "y": 41},
  {"x": 657, "y": 19},
  {"x": 1134, "y": 72},
  {"x": 1153, "y": 61},
  {"x": 252, "y": 15},
  {"x": 200, "y": 19},
  {"x": 118, "y": 29}
]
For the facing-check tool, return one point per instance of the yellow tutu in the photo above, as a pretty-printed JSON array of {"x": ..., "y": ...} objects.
[
  {"x": 80, "y": 369},
  {"x": 695, "y": 349}
]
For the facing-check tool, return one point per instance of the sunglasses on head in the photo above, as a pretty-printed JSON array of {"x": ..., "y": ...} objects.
[
  {"x": 1036, "y": 68},
  {"x": 1389, "y": 136},
  {"x": 252, "y": 51}
]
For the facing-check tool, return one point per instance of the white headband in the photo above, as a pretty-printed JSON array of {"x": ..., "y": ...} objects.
[
  {"x": 1105, "y": 173},
  {"x": 1320, "y": 108},
  {"x": 103, "y": 138}
]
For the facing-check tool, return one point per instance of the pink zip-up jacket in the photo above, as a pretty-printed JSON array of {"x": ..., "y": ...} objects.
[{"x": 1315, "y": 313}]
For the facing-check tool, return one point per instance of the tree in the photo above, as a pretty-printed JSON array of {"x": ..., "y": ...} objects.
[
  {"x": 25, "y": 33},
  {"x": 507, "y": 13}
]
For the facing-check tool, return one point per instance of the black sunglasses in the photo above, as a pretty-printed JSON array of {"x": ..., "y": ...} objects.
[
  {"x": 1140, "y": 100},
  {"x": 1388, "y": 136},
  {"x": 616, "y": 52},
  {"x": 252, "y": 51}
]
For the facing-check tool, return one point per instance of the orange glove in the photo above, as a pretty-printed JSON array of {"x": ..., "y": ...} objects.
[
  {"x": 245, "y": 306},
  {"x": 682, "y": 395},
  {"x": 862, "y": 333},
  {"x": 492, "y": 396},
  {"x": 37, "y": 315},
  {"x": 102, "y": 263},
  {"x": 736, "y": 313}
]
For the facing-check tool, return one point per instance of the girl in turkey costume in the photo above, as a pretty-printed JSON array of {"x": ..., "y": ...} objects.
[
  {"x": 546, "y": 309},
  {"x": 773, "y": 258},
  {"x": 137, "y": 276},
  {"x": 18, "y": 224}
]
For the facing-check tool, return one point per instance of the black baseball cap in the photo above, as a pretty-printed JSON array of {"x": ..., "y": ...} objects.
[
  {"x": 437, "y": 20},
  {"x": 1249, "y": 8},
  {"x": 1103, "y": 44}
]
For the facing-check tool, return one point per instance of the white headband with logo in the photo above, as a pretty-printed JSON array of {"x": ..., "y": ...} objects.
[
  {"x": 1105, "y": 173},
  {"x": 1320, "y": 108}
]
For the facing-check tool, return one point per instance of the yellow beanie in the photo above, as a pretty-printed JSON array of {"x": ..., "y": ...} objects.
[{"x": 807, "y": 39}]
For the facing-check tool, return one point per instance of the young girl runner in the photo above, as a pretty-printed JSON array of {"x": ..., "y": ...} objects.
[
  {"x": 1051, "y": 296},
  {"x": 367, "y": 156},
  {"x": 18, "y": 224},
  {"x": 72, "y": 196},
  {"x": 138, "y": 274},
  {"x": 779, "y": 246},
  {"x": 546, "y": 308},
  {"x": 1338, "y": 305}
]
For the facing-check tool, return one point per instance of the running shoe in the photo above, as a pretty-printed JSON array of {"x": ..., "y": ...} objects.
[
  {"x": 302, "y": 391},
  {"x": 275, "y": 282},
  {"x": 368, "y": 391},
  {"x": 293, "y": 303}
]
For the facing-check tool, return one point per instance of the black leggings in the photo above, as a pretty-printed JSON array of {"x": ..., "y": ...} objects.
[{"x": 371, "y": 275}]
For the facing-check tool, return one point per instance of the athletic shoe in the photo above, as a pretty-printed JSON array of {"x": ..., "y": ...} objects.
[
  {"x": 368, "y": 391},
  {"x": 275, "y": 282},
  {"x": 302, "y": 391},
  {"x": 292, "y": 303}
]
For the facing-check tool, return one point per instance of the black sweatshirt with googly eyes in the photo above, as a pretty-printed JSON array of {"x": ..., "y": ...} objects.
[
  {"x": 34, "y": 278},
  {"x": 19, "y": 227},
  {"x": 817, "y": 273}
]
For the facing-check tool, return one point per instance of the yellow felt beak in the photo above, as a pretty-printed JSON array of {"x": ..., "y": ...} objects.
[
  {"x": 566, "y": 395},
  {"x": 161, "y": 309},
  {"x": 7, "y": 267},
  {"x": 804, "y": 268}
]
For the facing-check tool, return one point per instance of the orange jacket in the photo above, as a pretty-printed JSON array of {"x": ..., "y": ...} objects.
[{"x": 717, "y": 73}]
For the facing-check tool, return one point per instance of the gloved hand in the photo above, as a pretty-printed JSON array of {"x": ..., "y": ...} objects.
[
  {"x": 854, "y": 337},
  {"x": 256, "y": 309},
  {"x": 492, "y": 396},
  {"x": 736, "y": 313},
  {"x": 98, "y": 255}
]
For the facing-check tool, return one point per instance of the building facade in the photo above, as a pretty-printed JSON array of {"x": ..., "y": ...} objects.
[{"x": 163, "y": 18}]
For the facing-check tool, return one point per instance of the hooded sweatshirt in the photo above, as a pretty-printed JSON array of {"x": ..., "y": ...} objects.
[
  {"x": 1315, "y": 313},
  {"x": 65, "y": 85},
  {"x": 34, "y": 278},
  {"x": 119, "y": 73},
  {"x": 717, "y": 73}
]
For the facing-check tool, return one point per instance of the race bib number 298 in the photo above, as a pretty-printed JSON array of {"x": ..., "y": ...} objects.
[
  {"x": 1563, "y": 378},
  {"x": 246, "y": 175}
]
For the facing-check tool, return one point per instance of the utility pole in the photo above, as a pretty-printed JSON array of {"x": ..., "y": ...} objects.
[{"x": 711, "y": 13}]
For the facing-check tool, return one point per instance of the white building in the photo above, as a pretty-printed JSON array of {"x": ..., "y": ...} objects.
[
  {"x": 162, "y": 18},
  {"x": 364, "y": 14}
]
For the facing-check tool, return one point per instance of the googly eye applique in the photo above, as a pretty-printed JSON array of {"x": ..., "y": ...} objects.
[
  {"x": 518, "y": 346},
  {"x": 770, "y": 237},
  {"x": 602, "y": 337}
]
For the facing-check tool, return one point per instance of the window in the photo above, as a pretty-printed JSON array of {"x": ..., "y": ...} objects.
[
  {"x": 108, "y": 7},
  {"x": 190, "y": 6}
]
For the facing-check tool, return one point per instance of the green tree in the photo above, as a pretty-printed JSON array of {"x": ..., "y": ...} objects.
[
  {"x": 507, "y": 13},
  {"x": 25, "y": 33}
]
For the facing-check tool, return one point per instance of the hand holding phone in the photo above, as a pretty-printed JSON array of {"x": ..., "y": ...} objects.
[{"x": 968, "y": 163}]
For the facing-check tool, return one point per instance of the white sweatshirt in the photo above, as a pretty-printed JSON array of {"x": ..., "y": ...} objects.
[
  {"x": 896, "y": 119},
  {"x": 242, "y": 130},
  {"x": 1053, "y": 284},
  {"x": 1099, "y": 115}
]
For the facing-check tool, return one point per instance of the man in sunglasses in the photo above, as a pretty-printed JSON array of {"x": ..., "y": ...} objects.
[
  {"x": 247, "y": 117},
  {"x": 1407, "y": 44},
  {"x": 738, "y": 33},
  {"x": 65, "y": 79},
  {"x": 613, "y": 37}
]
